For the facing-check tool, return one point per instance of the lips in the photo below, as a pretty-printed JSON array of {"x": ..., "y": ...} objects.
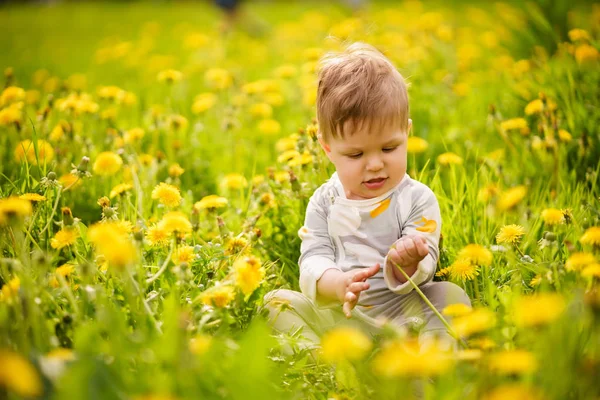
[
  {"x": 375, "y": 180},
  {"x": 375, "y": 184}
]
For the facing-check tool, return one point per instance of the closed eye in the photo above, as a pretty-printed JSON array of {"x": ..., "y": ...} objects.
[
  {"x": 355, "y": 156},
  {"x": 389, "y": 149}
]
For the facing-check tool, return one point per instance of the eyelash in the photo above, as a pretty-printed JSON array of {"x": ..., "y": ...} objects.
[{"x": 385, "y": 150}]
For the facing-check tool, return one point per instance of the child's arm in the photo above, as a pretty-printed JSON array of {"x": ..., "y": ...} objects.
[{"x": 417, "y": 249}]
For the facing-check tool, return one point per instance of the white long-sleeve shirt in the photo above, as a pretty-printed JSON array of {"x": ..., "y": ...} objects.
[{"x": 348, "y": 234}]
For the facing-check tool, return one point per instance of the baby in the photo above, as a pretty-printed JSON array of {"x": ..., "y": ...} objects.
[{"x": 369, "y": 217}]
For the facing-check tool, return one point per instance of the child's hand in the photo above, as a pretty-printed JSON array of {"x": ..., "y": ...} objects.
[
  {"x": 407, "y": 252},
  {"x": 350, "y": 284}
]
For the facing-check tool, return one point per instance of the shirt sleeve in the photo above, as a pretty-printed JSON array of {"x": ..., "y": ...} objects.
[
  {"x": 424, "y": 219},
  {"x": 317, "y": 251}
]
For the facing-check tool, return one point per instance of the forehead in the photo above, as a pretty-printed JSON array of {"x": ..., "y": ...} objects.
[{"x": 368, "y": 133}]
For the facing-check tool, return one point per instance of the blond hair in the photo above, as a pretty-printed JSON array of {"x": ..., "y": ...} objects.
[{"x": 362, "y": 87}]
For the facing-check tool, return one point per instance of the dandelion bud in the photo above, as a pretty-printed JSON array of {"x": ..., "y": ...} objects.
[
  {"x": 104, "y": 202},
  {"x": 83, "y": 164},
  {"x": 51, "y": 176},
  {"x": 108, "y": 212},
  {"x": 550, "y": 236},
  {"x": 67, "y": 216},
  {"x": 197, "y": 248},
  {"x": 526, "y": 259}
]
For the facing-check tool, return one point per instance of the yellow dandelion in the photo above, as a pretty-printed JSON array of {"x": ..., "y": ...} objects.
[
  {"x": 408, "y": 359},
  {"x": 268, "y": 200},
  {"x": 534, "y": 107},
  {"x": 65, "y": 270},
  {"x": 157, "y": 236},
  {"x": 539, "y": 309},
  {"x": 107, "y": 163},
  {"x": 120, "y": 189},
  {"x": 553, "y": 216},
  {"x": 463, "y": 270},
  {"x": 514, "y": 124},
  {"x": 512, "y": 362},
  {"x": 175, "y": 222},
  {"x": 269, "y": 127},
  {"x": 578, "y": 261},
  {"x": 111, "y": 242},
  {"x": 175, "y": 170},
  {"x": 183, "y": 254},
  {"x": 476, "y": 254},
  {"x": 344, "y": 343},
  {"x": 234, "y": 182},
  {"x": 211, "y": 202},
  {"x": 535, "y": 281},
  {"x": 486, "y": 193},
  {"x": 586, "y": 54},
  {"x": 249, "y": 274},
  {"x": 564, "y": 136},
  {"x": 12, "y": 208},
  {"x": 578, "y": 35},
  {"x": 26, "y": 150},
  {"x": 257, "y": 180},
  {"x": 591, "y": 271},
  {"x": 200, "y": 344},
  {"x": 301, "y": 159},
  {"x": 177, "y": 122},
  {"x": 236, "y": 245},
  {"x": 261, "y": 110},
  {"x": 511, "y": 198},
  {"x": 513, "y": 391},
  {"x": 417, "y": 145},
  {"x": 483, "y": 343},
  {"x": 10, "y": 115},
  {"x": 285, "y": 144},
  {"x": 591, "y": 236},
  {"x": 444, "y": 272},
  {"x": 287, "y": 156},
  {"x": 133, "y": 135},
  {"x": 218, "y": 296},
  {"x": 18, "y": 375},
  {"x": 457, "y": 310},
  {"x": 480, "y": 320},
  {"x": 63, "y": 238},
  {"x": 167, "y": 194},
  {"x": 204, "y": 102},
  {"x": 10, "y": 289},
  {"x": 510, "y": 234},
  {"x": 11, "y": 94},
  {"x": 449, "y": 159},
  {"x": 170, "y": 76},
  {"x": 218, "y": 78},
  {"x": 281, "y": 176},
  {"x": 32, "y": 197}
]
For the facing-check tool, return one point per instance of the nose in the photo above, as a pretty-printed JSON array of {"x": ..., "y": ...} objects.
[{"x": 374, "y": 163}]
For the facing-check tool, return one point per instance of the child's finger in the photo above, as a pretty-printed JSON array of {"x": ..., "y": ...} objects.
[
  {"x": 422, "y": 248},
  {"x": 347, "y": 310},
  {"x": 357, "y": 287},
  {"x": 410, "y": 246},
  {"x": 350, "y": 298}
]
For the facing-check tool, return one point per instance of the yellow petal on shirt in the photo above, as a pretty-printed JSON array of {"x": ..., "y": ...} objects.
[
  {"x": 429, "y": 225},
  {"x": 380, "y": 208}
]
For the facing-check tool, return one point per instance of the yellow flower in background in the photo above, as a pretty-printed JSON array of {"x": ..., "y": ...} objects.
[
  {"x": 511, "y": 198},
  {"x": 513, "y": 124},
  {"x": 120, "y": 189},
  {"x": 25, "y": 150},
  {"x": 236, "y": 245},
  {"x": 200, "y": 344},
  {"x": 578, "y": 35},
  {"x": 113, "y": 93},
  {"x": 577, "y": 261},
  {"x": 534, "y": 107},
  {"x": 591, "y": 236},
  {"x": 63, "y": 238},
  {"x": 476, "y": 254},
  {"x": 113, "y": 244},
  {"x": 183, "y": 254},
  {"x": 234, "y": 182},
  {"x": 449, "y": 159},
  {"x": 133, "y": 135},
  {"x": 287, "y": 156},
  {"x": 269, "y": 127},
  {"x": 175, "y": 222},
  {"x": 175, "y": 170},
  {"x": 429, "y": 225},
  {"x": 513, "y": 391},
  {"x": 538, "y": 309},
  {"x": 70, "y": 181},
  {"x": 463, "y": 270},
  {"x": 553, "y": 216},
  {"x": 586, "y": 54},
  {"x": 417, "y": 145},
  {"x": 457, "y": 310},
  {"x": 286, "y": 71},
  {"x": 10, "y": 115},
  {"x": 485, "y": 194},
  {"x": 65, "y": 270},
  {"x": 407, "y": 359},
  {"x": 14, "y": 208},
  {"x": 510, "y": 234},
  {"x": 107, "y": 163},
  {"x": 10, "y": 289},
  {"x": 18, "y": 375},
  {"x": 564, "y": 136},
  {"x": 157, "y": 236},
  {"x": 218, "y": 78},
  {"x": 287, "y": 143},
  {"x": 479, "y": 320},
  {"x": 591, "y": 271},
  {"x": 511, "y": 362},
  {"x": 218, "y": 296},
  {"x": 261, "y": 110},
  {"x": 196, "y": 40},
  {"x": 32, "y": 197},
  {"x": 167, "y": 194},
  {"x": 170, "y": 76},
  {"x": 211, "y": 202},
  {"x": 268, "y": 200},
  {"x": 11, "y": 94},
  {"x": 204, "y": 102},
  {"x": 344, "y": 343},
  {"x": 483, "y": 343},
  {"x": 249, "y": 274},
  {"x": 177, "y": 122}
]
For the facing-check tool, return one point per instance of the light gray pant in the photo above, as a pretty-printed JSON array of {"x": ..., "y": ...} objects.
[{"x": 290, "y": 310}]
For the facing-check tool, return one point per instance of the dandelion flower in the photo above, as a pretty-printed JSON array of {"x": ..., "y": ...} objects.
[
  {"x": 408, "y": 359},
  {"x": 585, "y": 54},
  {"x": 11, "y": 94},
  {"x": 534, "y": 107},
  {"x": 236, "y": 245},
  {"x": 200, "y": 344},
  {"x": 476, "y": 254},
  {"x": 175, "y": 221},
  {"x": 457, "y": 310},
  {"x": 553, "y": 216},
  {"x": 344, "y": 343},
  {"x": 539, "y": 309},
  {"x": 513, "y": 124},
  {"x": 18, "y": 375},
  {"x": 449, "y": 159},
  {"x": 269, "y": 127},
  {"x": 10, "y": 115},
  {"x": 485, "y": 194},
  {"x": 183, "y": 254},
  {"x": 218, "y": 296},
  {"x": 513, "y": 391},
  {"x": 218, "y": 78},
  {"x": 510, "y": 234},
  {"x": 157, "y": 236},
  {"x": 32, "y": 197},
  {"x": 478, "y": 321},
  {"x": 234, "y": 182},
  {"x": 211, "y": 202},
  {"x": 167, "y": 194},
  {"x": 578, "y": 34},
  {"x": 107, "y": 163},
  {"x": 249, "y": 274},
  {"x": 204, "y": 102},
  {"x": 564, "y": 136},
  {"x": 113, "y": 244},
  {"x": 463, "y": 270},
  {"x": 175, "y": 170},
  {"x": 511, "y": 362},
  {"x": 14, "y": 207},
  {"x": 417, "y": 145},
  {"x": 63, "y": 238},
  {"x": 591, "y": 271},
  {"x": 170, "y": 76},
  {"x": 510, "y": 198},
  {"x": 591, "y": 236},
  {"x": 261, "y": 110},
  {"x": 25, "y": 150},
  {"x": 10, "y": 289},
  {"x": 120, "y": 189}
]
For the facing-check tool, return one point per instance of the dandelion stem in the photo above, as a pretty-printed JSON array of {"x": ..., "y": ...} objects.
[
  {"x": 68, "y": 293},
  {"x": 53, "y": 212},
  {"x": 163, "y": 267},
  {"x": 146, "y": 306}
]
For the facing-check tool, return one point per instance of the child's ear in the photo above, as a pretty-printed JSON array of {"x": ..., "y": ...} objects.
[{"x": 324, "y": 145}]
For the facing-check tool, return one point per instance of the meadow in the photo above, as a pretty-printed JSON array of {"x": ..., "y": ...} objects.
[{"x": 156, "y": 164}]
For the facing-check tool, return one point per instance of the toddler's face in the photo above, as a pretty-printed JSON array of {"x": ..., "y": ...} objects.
[{"x": 368, "y": 165}]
